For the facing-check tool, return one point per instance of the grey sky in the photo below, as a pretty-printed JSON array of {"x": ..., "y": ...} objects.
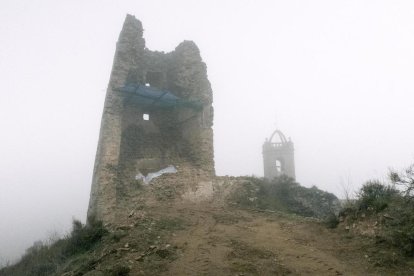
[{"x": 335, "y": 76}]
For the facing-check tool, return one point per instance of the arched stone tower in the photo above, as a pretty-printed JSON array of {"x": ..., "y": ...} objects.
[
  {"x": 278, "y": 157},
  {"x": 158, "y": 112}
]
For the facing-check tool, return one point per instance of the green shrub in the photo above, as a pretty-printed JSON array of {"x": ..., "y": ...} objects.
[
  {"x": 41, "y": 259},
  {"x": 83, "y": 237},
  {"x": 331, "y": 221},
  {"x": 399, "y": 230},
  {"x": 399, "y": 227},
  {"x": 394, "y": 209},
  {"x": 375, "y": 196}
]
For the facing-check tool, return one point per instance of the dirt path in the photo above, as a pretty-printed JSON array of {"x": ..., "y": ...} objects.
[{"x": 235, "y": 242}]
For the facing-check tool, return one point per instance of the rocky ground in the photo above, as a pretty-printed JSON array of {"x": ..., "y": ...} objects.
[
  {"x": 206, "y": 239},
  {"x": 158, "y": 232}
]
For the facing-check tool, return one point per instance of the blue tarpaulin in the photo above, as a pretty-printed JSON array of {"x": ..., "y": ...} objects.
[{"x": 151, "y": 96}]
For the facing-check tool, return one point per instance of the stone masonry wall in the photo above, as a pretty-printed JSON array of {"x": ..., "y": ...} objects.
[{"x": 178, "y": 136}]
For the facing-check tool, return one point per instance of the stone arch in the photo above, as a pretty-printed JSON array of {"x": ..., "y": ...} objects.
[
  {"x": 279, "y": 165},
  {"x": 280, "y": 134}
]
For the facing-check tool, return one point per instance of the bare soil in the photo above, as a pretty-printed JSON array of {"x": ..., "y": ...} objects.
[
  {"x": 212, "y": 238},
  {"x": 230, "y": 241}
]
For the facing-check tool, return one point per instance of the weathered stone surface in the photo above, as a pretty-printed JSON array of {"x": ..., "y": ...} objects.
[{"x": 129, "y": 144}]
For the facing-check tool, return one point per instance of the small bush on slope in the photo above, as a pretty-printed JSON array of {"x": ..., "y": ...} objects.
[
  {"x": 392, "y": 208},
  {"x": 41, "y": 259},
  {"x": 375, "y": 196}
]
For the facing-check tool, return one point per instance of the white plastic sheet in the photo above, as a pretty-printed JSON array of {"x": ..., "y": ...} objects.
[{"x": 147, "y": 179}]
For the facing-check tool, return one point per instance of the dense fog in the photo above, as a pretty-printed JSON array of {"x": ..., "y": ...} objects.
[{"x": 335, "y": 76}]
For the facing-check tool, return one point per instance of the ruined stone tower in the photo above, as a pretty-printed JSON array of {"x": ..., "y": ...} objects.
[
  {"x": 278, "y": 158},
  {"x": 158, "y": 112}
]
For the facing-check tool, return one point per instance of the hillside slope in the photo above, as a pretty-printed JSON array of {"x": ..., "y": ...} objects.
[
  {"x": 228, "y": 241},
  {"x": 170, "y": 236}
]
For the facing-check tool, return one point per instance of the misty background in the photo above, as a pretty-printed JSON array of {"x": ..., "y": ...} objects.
[{"x": 335, "y": 76}]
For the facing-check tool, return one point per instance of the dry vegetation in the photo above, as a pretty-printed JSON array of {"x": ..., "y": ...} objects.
[
  {"x": 262, "y": 228},
  {"x": 385, "y": 212}
]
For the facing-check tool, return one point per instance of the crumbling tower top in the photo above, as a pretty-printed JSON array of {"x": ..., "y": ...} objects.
[{"x": 158, "y": 112}]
